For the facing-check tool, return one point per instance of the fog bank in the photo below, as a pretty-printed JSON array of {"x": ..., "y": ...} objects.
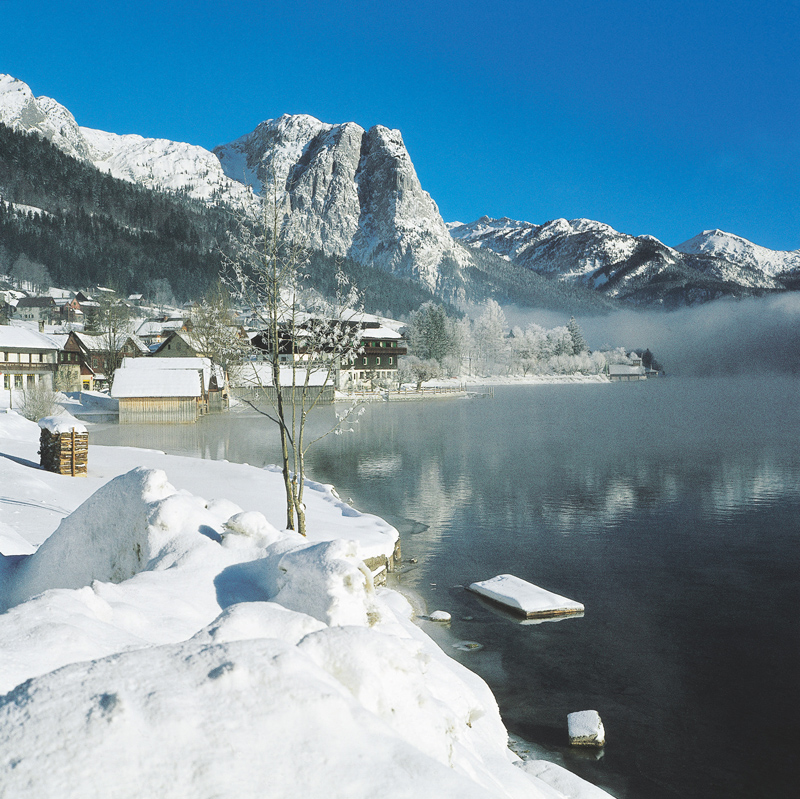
[{"x": 722, "y": 337}]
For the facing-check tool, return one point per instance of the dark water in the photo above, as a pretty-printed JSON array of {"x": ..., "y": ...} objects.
[{"x": 670, "y": 508}]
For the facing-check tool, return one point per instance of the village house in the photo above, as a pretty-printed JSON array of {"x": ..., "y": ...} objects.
[
  {"x": 179, "y": 344},
  {"x": 27, "y": 360},
  {"x": 168, "y": 390},
  {"x": 253, "y": 383},
  {"x": 94, "y": 357},
  {"x": 625, "y": 371},
  {"x": 40, "y": 310},
  {"x": 154, "y": 332},
  {"x": 377, "y": 362},
  {"x": 382, "y": 348}
]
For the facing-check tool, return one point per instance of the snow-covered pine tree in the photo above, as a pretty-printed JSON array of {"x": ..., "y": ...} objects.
[{"x": 578, "y": 341}]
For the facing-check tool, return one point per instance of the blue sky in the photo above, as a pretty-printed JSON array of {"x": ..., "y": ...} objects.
[{"x": 664, "y": 118}]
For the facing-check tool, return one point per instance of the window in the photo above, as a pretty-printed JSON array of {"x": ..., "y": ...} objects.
[
  {"x": 31, "y": 381},
  {"x": 364, "y": 361},
  {"x": 391, "y": 360},
  {"x": 378, "y": 361},
  {"x": 6, "y": 382},
  {"x": 17, "y": 381}
]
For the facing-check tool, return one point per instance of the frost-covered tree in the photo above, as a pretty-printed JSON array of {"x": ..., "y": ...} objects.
[
  {"x": 433, "y": 334},
  {"x": 214, "y": 331},
  {"x": 578, "y": 341},
  {"x": 490, "y": 336},
  {"x": 417, "y": 370},
  {"x": 113, "y": 322},
  {"x": 312, "y": 341}
]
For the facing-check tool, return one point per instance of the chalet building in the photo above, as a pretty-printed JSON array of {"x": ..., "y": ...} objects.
[
  {"x": 27, "y": 360},
  {"x": 71, "y": 313},
  {"x": 41, "y": 310},
  {"x": 625, "y": 372},
  {"x": 174, "y": 390},
  {"x": 382, "y": 348},
  {"x": 253, "y": 383},
  {"x": 154, "y": 332},
  {"x": 94, "y": 358},
  {"x": 179, "y": 344}
]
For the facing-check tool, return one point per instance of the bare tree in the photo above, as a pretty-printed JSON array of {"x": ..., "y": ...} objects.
[
  {"x": 38, "y": 401},
  {"x": 306, "y": 338},
  {"x": 113, "y": 322},
  {"x": 215, "y": 332}
]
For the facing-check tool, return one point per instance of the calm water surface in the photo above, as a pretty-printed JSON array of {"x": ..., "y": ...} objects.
[{"x": 670, "y": 508}]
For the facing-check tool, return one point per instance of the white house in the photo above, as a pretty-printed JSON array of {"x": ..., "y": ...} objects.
[{"x": 27, "y": 360}]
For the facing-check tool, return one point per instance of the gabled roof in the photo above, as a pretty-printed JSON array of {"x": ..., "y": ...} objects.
[
  {"x": 158, "y": 365},
  {"x": 36, "y": 302},
  {"x": 94, "y": 342},
  {"x": 12, "y": 337},
  {"x": 258, "y": 374},
  {"x": 187, "y": 338},
  {"x": 625, "y": 369},
  {"x": 130, "y": 383}
]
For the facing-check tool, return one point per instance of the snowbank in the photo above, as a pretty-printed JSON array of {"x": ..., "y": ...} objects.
[{"x": 161, "y": 644}]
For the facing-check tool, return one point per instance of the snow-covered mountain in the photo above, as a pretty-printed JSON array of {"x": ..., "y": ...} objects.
[
  {"x": 155, "y": 163},
  {"x": 353, "y": 192},
  {"x": 742, "y": 252},
  {"x": 348, "y": 191},
  {"x": 638, "y": 269}
]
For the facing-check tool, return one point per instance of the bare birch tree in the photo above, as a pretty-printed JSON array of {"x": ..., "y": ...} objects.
[{"x": 307, "y": 339}]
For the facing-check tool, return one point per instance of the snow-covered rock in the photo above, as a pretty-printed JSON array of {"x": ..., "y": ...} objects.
[
  {"x": 155, "y": 163},
  {"x": 20, "y": 110},
  {"x": 585, "y": 728},
  {"x": 523, "y": 597}
]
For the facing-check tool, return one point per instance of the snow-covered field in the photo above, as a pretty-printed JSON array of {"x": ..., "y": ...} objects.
[{"x": 163, "y": 636}]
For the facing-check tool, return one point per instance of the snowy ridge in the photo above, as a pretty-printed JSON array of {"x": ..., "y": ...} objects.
[
  {"x": 638, "y": 269},
  {"x": 19, "y": 109},
  {"x": 155, "y": 163},
  {"x": 161, "y": 164},
  {"x": 740, "y": 251}
]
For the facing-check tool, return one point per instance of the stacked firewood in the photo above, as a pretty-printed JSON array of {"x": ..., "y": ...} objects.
[{"x": 64, "y": 453}]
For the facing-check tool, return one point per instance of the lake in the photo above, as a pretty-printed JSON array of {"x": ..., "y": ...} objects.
[{"x": 670, "y": 508}]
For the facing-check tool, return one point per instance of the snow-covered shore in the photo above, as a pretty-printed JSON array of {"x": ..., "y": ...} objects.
[
  {"x": 164, "y": 636},
  {"x": 516, "y": 380}
]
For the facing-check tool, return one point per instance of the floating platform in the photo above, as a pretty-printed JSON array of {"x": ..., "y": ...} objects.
[{"x": 525, "y": 599}]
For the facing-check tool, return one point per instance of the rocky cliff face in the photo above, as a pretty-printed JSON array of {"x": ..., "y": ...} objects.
[
  {"x": 637, "y": 269},
  {"x": 349, "y": 192}
]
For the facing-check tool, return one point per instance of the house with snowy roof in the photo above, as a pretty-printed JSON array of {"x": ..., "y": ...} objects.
[
  {"x": 168, "y": 390},
  {"x": 626, "y": 371},
  {"x": 27, "y": 360},
  {"x": 95, "y": 359},
  {"x": 41, "y": 310},
  {"x": 179, "y": 344}
]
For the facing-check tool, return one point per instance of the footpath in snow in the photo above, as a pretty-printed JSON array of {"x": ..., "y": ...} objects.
[{"x": 164, "y": 636}]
